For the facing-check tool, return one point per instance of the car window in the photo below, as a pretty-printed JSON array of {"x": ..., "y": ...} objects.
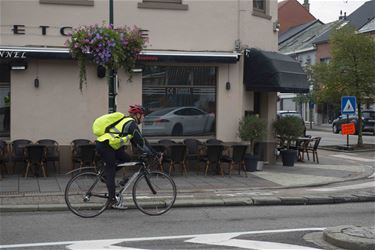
[
  {"x": 291, "y": 114},
  {"x": 368, "y": 115},
  {"x": 184, "y": 111},
  {"x": 196, "y": 112},
  {"x": 161, "y": 112},
  {"x": 189, "y": 111}
]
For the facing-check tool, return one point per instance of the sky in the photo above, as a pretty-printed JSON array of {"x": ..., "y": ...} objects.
[{"x": 329, "y": 10}]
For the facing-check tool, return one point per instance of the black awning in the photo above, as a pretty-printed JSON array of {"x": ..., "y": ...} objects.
[{"x": 266, "y": 71}]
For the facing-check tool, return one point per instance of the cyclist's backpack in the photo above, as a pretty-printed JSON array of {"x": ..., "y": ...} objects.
[{"x": 103, "y": 123}]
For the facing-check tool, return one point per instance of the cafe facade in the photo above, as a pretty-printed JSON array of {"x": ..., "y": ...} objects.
[{"x": 219, "y": 58}]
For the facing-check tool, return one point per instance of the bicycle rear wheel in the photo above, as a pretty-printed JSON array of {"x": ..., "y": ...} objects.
[
  {"x": 85, "y": 195},
  {"x": 154, "y": 193}
]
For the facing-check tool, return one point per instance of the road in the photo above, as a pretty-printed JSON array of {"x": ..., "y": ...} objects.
[
  {"x": 182, "y": 228},
  {"x": 329, "y": 138}
]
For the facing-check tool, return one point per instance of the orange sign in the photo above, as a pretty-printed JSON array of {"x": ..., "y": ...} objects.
[{"x": 348, "y": 129}]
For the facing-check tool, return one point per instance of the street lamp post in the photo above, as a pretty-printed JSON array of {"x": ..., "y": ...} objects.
[{"x": 112, "y": 73}]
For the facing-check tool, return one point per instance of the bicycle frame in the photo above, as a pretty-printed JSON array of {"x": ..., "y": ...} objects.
[{"x": 140, "y": 171}]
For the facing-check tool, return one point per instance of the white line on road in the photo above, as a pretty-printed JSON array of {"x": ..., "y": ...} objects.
[
  {"x": 353, "y": 158},
  {"x": 106, "y": 244},
  {"x": 227, "y": 240},
  {"x": 348, "y": 187}
]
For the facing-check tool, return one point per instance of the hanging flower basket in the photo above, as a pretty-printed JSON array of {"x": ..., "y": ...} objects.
[{"x": 105, "y": 46}]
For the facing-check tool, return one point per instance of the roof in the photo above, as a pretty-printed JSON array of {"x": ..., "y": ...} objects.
[
  {"x": 359, "y": 18},
  {"x": 273, "y": 72},
  {"x": 295, "y": 30},
  {"x": 291, "y": 13},
  {"x": 362, "y": 15},
  {"x": 303, "y": 41},
  {"x": 370, "y": 26}
]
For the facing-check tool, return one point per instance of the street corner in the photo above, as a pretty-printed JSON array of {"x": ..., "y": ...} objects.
[{"x": 351, "y": 237}]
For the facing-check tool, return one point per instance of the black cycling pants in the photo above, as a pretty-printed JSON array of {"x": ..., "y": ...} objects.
[{"x": 111, "y": 157}]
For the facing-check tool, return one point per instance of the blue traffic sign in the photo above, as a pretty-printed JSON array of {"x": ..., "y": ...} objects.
[{"x": 348, "y": 105}]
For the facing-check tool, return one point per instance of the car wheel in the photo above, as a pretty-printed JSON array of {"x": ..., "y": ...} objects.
[
  {"x": 177, "y": 130},
  {"x": 335, "y": 129}
]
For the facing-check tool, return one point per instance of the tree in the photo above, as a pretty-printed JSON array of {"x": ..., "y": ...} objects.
[{"x": 351, "y": 72}]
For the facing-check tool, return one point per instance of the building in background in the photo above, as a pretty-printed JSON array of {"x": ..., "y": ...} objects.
[{"x": 308, "y": 43}]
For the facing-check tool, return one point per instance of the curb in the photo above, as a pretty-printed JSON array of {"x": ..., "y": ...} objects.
[
  {"x": 219, "y": 201},
  {"x": 340, "y": 237}
]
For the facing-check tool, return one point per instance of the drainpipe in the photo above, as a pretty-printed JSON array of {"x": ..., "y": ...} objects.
[{"x": 112, "y": 73}]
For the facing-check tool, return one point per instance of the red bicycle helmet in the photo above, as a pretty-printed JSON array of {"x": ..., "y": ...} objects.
[{"x": 136, "y": 109}]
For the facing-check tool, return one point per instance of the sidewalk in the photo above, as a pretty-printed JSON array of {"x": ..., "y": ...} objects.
[{"x": 275, "y": 185}]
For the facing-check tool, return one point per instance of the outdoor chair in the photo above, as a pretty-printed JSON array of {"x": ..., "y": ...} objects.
[
  {"x": 314, "y": 148},
  {"x": 53, "y": 153},
  {"x": 74, "y": 147},
  {"x": 160, "y": 149},
  {"x": 214, "y": 141},
  {"x": 166, "y": 142},
  {"x": 18, "y": 151},
  {"x": 195, "y": 149},
  {"x": 178, "y": 154},
  {"x": 167, "y": 153},
  {"x": 86, "y": 155},
  {"x": 237, "y": 158},
  {"x": 303, "y": 149},
  {"x": 35, "y": 155},
  {"x": 214, "y": 153},
  {"x": 3, "y": 157}
]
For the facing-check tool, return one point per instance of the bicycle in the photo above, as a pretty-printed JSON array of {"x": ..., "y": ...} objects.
[{"x": 153, "y": 192}]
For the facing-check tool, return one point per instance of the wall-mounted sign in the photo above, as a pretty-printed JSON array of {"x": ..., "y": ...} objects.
[
  {"x": 20, "y": 29},
  {"x": 13, "y": 54}
]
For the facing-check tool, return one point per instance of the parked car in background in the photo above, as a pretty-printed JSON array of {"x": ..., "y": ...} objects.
[
  {"x": 368, "y": 122},
  {"x": 177, "y": 121},
  {"x": 283, "y": 113}
]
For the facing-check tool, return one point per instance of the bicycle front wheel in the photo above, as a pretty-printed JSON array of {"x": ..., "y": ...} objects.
[
  {"x": 86, "y": 195},
  {"x": 154, "y": 193}
]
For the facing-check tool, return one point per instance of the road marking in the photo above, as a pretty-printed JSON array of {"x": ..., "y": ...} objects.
[
  {"x": 353, "y": 158},
  {"x": 226, "y": 240},
  {"x": 348, "y": 187},
  {"x": 106, "y": 244}
]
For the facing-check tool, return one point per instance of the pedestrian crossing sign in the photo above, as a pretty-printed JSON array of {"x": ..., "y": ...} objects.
[{"x": 348, "y": 105}]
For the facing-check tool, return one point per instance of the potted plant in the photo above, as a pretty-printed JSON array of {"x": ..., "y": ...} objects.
[
  {"x": 288, "y": 128},
  {"x": 106, "y": 46},
  {"x": 252, "y": 128}
]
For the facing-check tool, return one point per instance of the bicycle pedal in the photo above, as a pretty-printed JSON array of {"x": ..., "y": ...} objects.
[{"x": 121, "y": 206}]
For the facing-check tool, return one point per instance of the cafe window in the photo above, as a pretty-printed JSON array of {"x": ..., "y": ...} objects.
[
  {"x": 69, "y": 2},
  {"x": 163, "y": 4},
  {"x": 179, "y": 100},
  {"x": 4, "y": 100}
]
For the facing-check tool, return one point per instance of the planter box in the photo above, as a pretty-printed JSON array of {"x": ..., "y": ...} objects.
[{"x": 288, "y": 157}]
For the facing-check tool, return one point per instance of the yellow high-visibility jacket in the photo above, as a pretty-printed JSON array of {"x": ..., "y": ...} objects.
[{"x": 115, "y": 140}]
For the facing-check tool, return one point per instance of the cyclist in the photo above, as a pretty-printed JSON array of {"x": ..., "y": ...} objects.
[{"x": 111, "y": 148}]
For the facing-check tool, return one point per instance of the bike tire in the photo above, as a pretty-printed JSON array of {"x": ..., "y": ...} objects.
[
  {"x": 160, "y": 202},
  {"x": 83, "y": 202}
]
